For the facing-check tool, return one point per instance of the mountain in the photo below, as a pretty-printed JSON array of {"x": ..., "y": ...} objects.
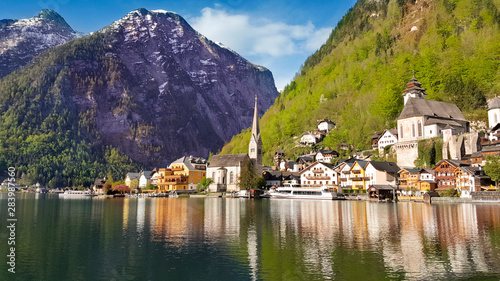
[
  {"x": 143, "y": 91},
  {"x": 22, "y": 40},
  {"x": 357, "y": 77}
]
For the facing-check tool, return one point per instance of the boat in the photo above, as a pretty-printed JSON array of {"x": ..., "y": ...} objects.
[
  {"x": 299, "y": 193},
  {"x": 76, "y": 194}
]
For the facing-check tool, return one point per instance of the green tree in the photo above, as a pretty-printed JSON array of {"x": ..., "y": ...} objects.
[
  {"x": 134, "y": 184},
  {"x": 492, "y": 168},
  {"x": 248, "y": 177},
  {"x": 204, "y": 184}
]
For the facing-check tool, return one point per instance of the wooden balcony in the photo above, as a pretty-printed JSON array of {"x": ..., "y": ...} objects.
[
  {"x": 360, "y": 178},
  {"x": 356, "y": 171},
  {"x": 177, "y": 169},
  {"x": 318, "y": 171},
  {"x": 317, "y": 178}
]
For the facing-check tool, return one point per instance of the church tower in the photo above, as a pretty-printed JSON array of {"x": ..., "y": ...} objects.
[
  {"x": 255, "y": 145},
  {"x": 493, "y": 112},
  {"x": 414, "y": 90}
]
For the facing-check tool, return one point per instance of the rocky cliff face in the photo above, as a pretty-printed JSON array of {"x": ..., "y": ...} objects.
[
  {"x": 22, "y": 40},
  {"x": 148, "y": 85},
  {"x": 189, "y": 94}
]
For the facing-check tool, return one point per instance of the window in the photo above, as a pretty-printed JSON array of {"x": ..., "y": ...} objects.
[
  {"x": 213, "y": 175},
  {"x": 231, "y": 175},
  {"x": 401, "y": 133},
  {"x": 413, "y": 130},
  {"x": 419, "y": 124}
]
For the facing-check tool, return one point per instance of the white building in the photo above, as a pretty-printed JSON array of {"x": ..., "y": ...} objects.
[
  {"x": 325, "y": 125},
  {"x": 424, "y": 119},
  {"x": 389, "y": 137},
  {"x": 326, "y": 156},
  {"x": 319, "y": 174},
  {"x": 224, "y": 170},
  {"x": 493, "y": 112},
  {"x": 344, "y": 172},
  {"x": 308, "y": 139},
  {"x": 144, "y": 178}
]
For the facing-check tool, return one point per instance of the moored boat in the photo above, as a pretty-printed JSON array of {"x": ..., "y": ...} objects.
[
  {"x": 299, "y": 193},
  {"x": 76, "y": 194}
]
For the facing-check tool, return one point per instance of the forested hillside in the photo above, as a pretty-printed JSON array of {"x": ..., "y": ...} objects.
[{"x": 356, "y": 79}]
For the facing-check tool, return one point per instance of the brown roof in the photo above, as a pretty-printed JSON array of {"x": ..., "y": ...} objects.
[
  {"x": 425, "y": 107},
  {"x": 490, "y": 148},
  {"x": 228, "y": 160}
]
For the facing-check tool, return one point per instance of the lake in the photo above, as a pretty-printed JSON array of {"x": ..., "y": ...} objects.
[{"x": 243, "y": 239}]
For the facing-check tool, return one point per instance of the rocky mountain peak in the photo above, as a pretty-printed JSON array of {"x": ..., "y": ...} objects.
[{"x": 22, "y": 40}]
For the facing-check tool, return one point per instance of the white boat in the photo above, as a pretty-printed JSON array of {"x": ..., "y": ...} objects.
[
  {"x": 76, "y": 194},
  {"x": 299, "y": 193}
]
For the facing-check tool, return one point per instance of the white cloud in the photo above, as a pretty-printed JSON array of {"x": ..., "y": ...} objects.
[{"x": 259, "y": 37}]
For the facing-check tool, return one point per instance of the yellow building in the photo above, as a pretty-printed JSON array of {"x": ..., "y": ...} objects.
[
  {"x": 408, "y": 179},
  {"x": 357, "y": 175},
  {"x": 425, "y": 185},
  {"x": 183, "y": 174}
]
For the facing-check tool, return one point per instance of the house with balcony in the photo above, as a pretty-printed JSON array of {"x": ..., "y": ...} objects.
[
  {"x": 445, "y": 174},
  {"x": 183, "y": 174},
  {"x": 344, "y": 171},
  {"x": 408, "y": 178},
  {"x": 389, "y": 137},
  {"x": 318, "y": 175},
  {"x": 470, "y": 179},
  {"x": 357, "y": 175}
]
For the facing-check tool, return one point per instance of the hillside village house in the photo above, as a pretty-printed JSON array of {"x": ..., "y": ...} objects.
[
  {"x": 319, "y": 174},
  {"x": 375, "y": 138},
  {"x": 388, "y": 137},
  {"x": 308, "y": 139},
  {"x": 224, "y": 170},
  {"x": 424, "y": 119},
  {"x": 326, "y": 156},
  {"x": 325, "y": 125}
]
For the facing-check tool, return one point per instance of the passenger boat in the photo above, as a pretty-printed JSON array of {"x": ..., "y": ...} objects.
[
  {"x": 76, "y": 194},
  {"x": 299, "y": 193}
]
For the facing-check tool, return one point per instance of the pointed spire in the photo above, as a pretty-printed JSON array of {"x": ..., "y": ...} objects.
[{"x": 255, "y": 125}]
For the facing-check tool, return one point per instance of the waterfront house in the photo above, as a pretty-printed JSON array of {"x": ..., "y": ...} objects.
[
  {"x": 291, "y": 178},
  {"x": 144, "y": 178},
  {"x": 470, "y": 179},
  {"x": 445, "y": 174},
  {"x": 357, "y": 175},
  {"x": 129, "y": 177},
  {"x": 273, "y": 178},
  {"x": 408, "y": 178},
  {"x": 326, "y": 156},
  {"x": 98, "y": 187},
  {"x": 224, "y": 170},
  {"x": 381, "y": 173},
  {"x": 153, "y": 176},
  {"x": 343, "y": 171},
  {"x": 381, "y": 192},
  {"x": 425, "y": 186},
  {"x": 319, "y": 174}
]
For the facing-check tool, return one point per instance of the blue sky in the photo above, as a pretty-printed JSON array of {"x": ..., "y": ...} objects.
[{"x": 277, "y": 34}]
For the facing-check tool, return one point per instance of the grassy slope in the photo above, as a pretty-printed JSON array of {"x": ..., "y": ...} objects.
[{"x": 356, "y": 79}]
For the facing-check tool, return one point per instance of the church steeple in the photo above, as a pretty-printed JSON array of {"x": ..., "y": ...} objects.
[
  {"x": 413, "y": 90},
  {"x": 255, "y": 145}
]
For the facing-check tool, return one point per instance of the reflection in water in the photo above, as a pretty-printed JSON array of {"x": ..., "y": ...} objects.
[{"x": 241, "y": 239}]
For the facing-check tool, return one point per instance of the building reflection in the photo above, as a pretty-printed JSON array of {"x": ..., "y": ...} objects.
[{"x": 415, "y": 240}]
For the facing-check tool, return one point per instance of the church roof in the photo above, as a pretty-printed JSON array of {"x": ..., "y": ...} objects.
[
  {"x": 432, "y": 121},
  {"x": 423, "y": 107},
  {"x": 228, "y": 160},
  {"x": 494, "y": 103}
]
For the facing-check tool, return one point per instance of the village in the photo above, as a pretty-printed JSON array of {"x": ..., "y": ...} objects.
[{"x": 458, "y": 174}]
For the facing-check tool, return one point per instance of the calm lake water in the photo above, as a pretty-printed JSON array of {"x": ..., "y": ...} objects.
[{"x": 242, "y": 239}]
